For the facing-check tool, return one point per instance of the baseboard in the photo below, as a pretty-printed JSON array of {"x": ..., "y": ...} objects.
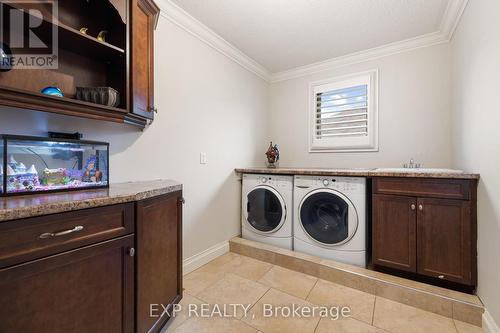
[
  {"x": 489, "y": 324},
  {"x": 200, "y": 259}
]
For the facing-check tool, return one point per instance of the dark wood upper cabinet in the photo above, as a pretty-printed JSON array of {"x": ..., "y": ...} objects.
[
  {"x": 88, "y": 290},
  {"x": 444, "y": 239},
  {"x": 124, "y": 62},
  {"x": 427, "y": 227},
  {"x": 144, "y": 19},
  {"x": 394, "y": 232},
  {"x": 159, "y": 258}
]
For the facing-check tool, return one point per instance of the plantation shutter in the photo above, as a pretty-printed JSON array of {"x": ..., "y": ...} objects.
[{"x": 342, "y": 112}]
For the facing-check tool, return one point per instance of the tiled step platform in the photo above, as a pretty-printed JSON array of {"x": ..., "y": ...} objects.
[{"x": 448, "y": 303}]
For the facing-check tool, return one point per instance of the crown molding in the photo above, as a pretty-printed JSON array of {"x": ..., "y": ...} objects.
[
  {"x": 451, "y": 17},
  {"x": 362, "y": 56},
  {"x": 449, "y": 23},
  {"x": 184, "y": 20}
]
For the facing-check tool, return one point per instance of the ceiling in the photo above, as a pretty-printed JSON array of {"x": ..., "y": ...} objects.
[{"x": 284, "y": 34}]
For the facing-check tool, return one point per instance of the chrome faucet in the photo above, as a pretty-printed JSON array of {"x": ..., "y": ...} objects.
[{"x": 412, "y": 164}]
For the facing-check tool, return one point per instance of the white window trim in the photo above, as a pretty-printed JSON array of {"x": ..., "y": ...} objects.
[{"x": 342, "y": 145}]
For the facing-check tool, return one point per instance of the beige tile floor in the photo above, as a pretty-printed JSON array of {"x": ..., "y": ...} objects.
[{"x": 236, "y": 279}]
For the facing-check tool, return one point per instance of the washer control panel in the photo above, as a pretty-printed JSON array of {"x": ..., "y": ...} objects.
[{"x": 337, "y": 183}]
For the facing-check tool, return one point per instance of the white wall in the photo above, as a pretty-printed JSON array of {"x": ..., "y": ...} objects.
[
  {"x": 476, "y": 136},
  {"x": 414, "y": 113},
  {"x": 207, "y": 103}
]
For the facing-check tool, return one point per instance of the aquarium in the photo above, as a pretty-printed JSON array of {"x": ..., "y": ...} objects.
[{"x": 35, "y": 164}]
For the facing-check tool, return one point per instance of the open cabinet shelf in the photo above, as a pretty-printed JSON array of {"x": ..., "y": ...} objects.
[
  {"x": 18, "y": 98},
  {"x": 83, "y": 60},
  {"x": 72, "y": 39}
]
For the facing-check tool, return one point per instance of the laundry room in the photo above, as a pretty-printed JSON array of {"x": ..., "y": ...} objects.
[{"x": 266, "y": 166}]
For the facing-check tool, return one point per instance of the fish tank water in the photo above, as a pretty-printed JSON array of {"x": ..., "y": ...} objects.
[{"x": 38, "y": 164}]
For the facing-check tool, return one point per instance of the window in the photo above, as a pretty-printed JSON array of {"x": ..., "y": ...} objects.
[{"x": 344, "y": 114}]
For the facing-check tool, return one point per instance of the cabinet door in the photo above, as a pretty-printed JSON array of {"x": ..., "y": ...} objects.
[
  {"x": 159, "y": 258},
  {"x": 394, "y": 232},
  {"x": 144, "y": 18},
  {"x": 444, "y": 239},
  {"x": 88, "y": 290}
]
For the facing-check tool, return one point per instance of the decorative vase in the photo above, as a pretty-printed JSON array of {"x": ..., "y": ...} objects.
[
  {"x": 52, "y": 91},
  {"x": 273, "y": 156}
]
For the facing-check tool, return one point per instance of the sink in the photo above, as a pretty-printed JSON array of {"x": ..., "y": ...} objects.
[{"x": 419, "y": 170}]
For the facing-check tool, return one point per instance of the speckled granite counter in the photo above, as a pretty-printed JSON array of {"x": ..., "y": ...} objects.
[
  {"x": 49, "y": 203},
  {"x": 410, "y": 173}
]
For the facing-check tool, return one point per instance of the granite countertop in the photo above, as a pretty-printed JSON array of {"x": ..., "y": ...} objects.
[
  {"x": 17, "y": 207},
  {"x": 374, "y": 172}
]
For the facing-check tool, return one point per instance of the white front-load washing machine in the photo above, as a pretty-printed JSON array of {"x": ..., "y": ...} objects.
[
  {"x": 330, "y": 218},
  {"x": 266, "y": 203}
]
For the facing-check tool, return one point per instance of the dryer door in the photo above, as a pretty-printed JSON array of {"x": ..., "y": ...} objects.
[
  {"x": 265, "y": 209},
  {"x": 328, "y": 217}
]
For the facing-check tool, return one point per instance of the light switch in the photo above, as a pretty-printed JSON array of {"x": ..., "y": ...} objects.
[{"x": 203, "y": 158}]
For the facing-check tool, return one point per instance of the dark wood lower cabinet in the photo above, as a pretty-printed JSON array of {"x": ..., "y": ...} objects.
[
  {"x": 99, "y": 272},
  {"x": 159, "y": 258},
  {"x": 425, "y": 230},
  {"x": 88, "y": 290},
  {"x": 394, "y": 232},
  {"x": 444, "y": 239}
]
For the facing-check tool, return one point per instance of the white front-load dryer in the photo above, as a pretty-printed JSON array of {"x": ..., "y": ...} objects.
[
  {"x": 267, "y": 209},
  {"x": 330, "y": 218}
]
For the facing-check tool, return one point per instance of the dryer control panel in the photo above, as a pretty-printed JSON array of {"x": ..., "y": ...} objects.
[{"x": 277, "y": 181}]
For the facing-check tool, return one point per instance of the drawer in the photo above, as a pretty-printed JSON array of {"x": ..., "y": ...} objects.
[
  {"x": 32, "y": 238},
  {"x": 424, "y": 187}
]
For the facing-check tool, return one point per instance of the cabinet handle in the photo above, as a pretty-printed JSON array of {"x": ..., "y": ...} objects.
[
  {"x": 183, "y": 201},
  {"x": 131, "y": 252},
  {"x": 412, "y": 206},
  {"x": 441, "y": 277},
  {"x": 420, "y": 207},
  {"x": 61, "y": 233}
]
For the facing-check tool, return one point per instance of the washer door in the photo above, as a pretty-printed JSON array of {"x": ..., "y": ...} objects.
[
  {"x": 328, "y": 217},
  {"x": 265, "y": 209}
]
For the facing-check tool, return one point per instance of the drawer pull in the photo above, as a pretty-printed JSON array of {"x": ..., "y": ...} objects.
[
  {"x": 61, "y": 233},
  {"x": 441, "y": 277}
]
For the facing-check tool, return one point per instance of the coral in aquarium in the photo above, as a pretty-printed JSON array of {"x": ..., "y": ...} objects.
[
  {"x": 19, "y": 178},
  {"x": 51, "y": 177},
  {"x": 91, "y": 174}
]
